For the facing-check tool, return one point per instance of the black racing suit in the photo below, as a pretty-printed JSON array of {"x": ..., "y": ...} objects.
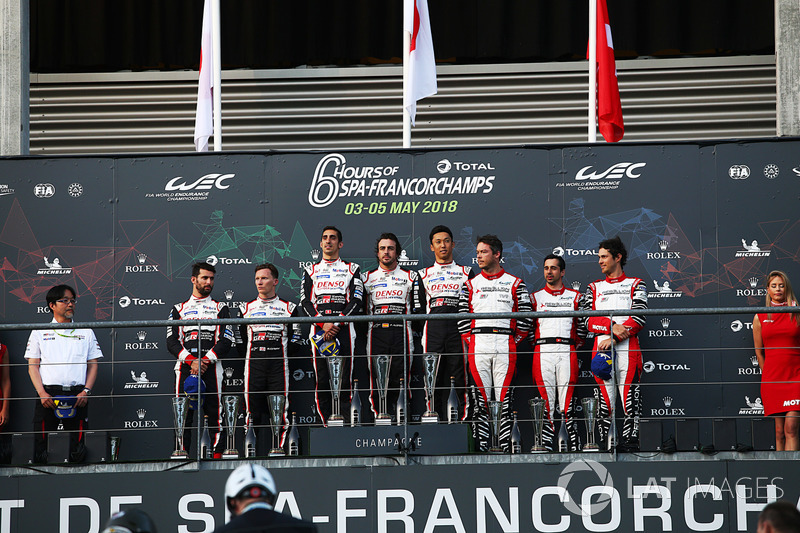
[
  {"x": 265, "y": 348},
  {"x": 332, "y": 288},
  {"x": 389, "y": 292},
  {"x": 437, "y": 290},
  {"x": 214, "y": 342}
]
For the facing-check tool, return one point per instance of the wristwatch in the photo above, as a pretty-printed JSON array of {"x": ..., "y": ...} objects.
[{"x": 87, "y": 390}]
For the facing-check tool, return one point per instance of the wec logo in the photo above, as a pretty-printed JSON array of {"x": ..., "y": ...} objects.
[
  {"x": 207, "y": 182},
  {"x": 616, "y": 171}
]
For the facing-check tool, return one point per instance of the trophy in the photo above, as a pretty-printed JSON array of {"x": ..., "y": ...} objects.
[
  {"x": 495, "y": 408},
  {"x": 430, "y": 365},
  {"x": 277, "y": 404},
  {"x": 380, "y": 365},
  {"x": 536, "y": 406},
  {"x": 590, "y": 418},
  {"x": 335, "y": 364},
  {"x": 230, "y": 412},
  {"x": 179, "y": 407},
  {"x": 115, "y": 443}
]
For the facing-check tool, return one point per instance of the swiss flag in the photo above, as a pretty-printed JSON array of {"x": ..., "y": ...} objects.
[
  {"x": 422, "y": 63},
  {"x": 609, "y": 107},
  {"x": 203, "y": 120}
]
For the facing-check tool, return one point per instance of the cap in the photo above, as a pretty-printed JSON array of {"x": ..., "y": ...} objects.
[
  {"x": 65, "y": 406},
  {"x": 602, "y": 363},
  {"x": 191, "y": 385}
]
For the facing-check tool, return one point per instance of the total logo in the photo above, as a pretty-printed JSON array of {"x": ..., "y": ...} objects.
[
  {"x": 561, "y": 252},
  {"x": 213, "y": 260},
  {"x": 739, "y": 172},
  {"x": 664, "y": 291},
  {"x": 663, "y": 252},
  {"x": 753, "y": 408},
  {"x": 668, "y": 409},
  {"x": 752, "y": 250},
  {"x": 140, "y": 381},
  {"x": 738, "y": 325},
  {"x": 588, "y": 179},
  {"x": 141, "y": 343},
  {"x": 182, "y": 189},
  {"x": 231, "y": 381},
  {"x": 334, "y": 178},
  {"x": 752, "y": 289},
  {"x": 300, "y": 374},
  {"x": 53, "y": 268},
  {"x": 652, "y": 366},
  {"x": 753, "y": 369},
  {"x": 665, "y": 331},
  {"x": 140, "y": 421},
  {"x": 140, "y": 265},
  {"x": 126, "y": 301},
  {"x": 314, "y": 259}
]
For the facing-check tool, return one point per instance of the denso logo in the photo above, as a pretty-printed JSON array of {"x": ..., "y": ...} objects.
[
  {"x": 207, "y": 182},
  {"x": 330, "y": 284},
  {"x": 445, "y": 287},
  {"x": 616, "y": 171},
  {"x": 386, "y": 294}
]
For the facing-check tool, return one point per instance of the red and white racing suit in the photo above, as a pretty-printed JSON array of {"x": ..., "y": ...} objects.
[
  {"x": 389, "y": 292},
  {"x": 437, "y": 291},
  {"x": 555, "y": 362},
  {"x": 332, "y": 288},
  {"x": 619, "y": 293},
  {"x": 492, "y": 344}
]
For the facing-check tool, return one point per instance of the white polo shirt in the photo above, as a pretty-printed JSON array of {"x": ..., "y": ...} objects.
[{"x": 63, "y": 354}]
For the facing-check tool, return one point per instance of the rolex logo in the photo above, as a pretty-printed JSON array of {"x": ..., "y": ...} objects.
[
  {"x": 754, "y": 360},
  {"x": 576, "y": 285},
  {"x": 665, "y": 322},
  {"x": 663, "y": 245},
  {"x": 753, "y": 282},
  {"x": 315, "y": 254},
  {"x": 141, "y": 258},
  {"x": 667, "y": 401},
  {"x": 142, "y": 335},
  {"x": 228, "y": 294},
  {"x": 228, "y": 372},
  {"x": 140, "y": 413}
]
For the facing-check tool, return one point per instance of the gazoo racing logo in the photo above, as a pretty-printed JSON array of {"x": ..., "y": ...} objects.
[
  {"x": 588, "y": 179},
  {"x": 181, "y": 189},
  {"x": 333, "y": 179}
]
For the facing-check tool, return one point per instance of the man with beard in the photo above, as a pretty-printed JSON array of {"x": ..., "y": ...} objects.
[{"x": 199, "y": 349}]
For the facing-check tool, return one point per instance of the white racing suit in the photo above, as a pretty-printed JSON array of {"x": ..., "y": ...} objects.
[
  {"x": 619, "y": 293},
  {"x": 555, "y": 362},
  {"x": 491, "y": 346}
]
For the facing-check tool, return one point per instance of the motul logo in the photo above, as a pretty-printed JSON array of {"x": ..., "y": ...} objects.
[
  {"x": 207, "y": 182},
  {"x": 616, "y": 171}
]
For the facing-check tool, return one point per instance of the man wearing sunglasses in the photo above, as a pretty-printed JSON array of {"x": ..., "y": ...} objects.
[{"x": 62, "y": 364}]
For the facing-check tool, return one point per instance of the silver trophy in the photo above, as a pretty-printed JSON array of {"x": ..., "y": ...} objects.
[
  {"x": 495, "y": 408},
  {"x": 230, "y": 412},
  {"x": 335, "y": 367},
  {"x": 277, "y": 405},
  {"x": 590, "y": 418},
  {"x": 380, "y": 366},
  {"x": 536, "y": 406},
  {"x": 115, "y": 443},
  {"x": 430, "y": 366},
  {"x": 179, "y": 407}
]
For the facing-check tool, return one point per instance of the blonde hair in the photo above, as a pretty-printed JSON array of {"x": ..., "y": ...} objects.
[{"x": 787, "y": 289}]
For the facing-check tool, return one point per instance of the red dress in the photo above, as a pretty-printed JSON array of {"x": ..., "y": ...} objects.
[{"x": 780, "y": 379}]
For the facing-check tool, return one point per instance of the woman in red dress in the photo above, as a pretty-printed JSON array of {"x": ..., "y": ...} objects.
[{"x": 776, "y": 337}]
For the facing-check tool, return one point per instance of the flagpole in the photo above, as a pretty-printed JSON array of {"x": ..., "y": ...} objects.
[
  {"x": 406, "y": 88},
  {"x": 592, "y": 127},
  {"x": 216, "y": 69}
]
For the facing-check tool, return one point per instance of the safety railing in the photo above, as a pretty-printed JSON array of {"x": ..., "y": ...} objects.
[{"x": 139, "y": 437}]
